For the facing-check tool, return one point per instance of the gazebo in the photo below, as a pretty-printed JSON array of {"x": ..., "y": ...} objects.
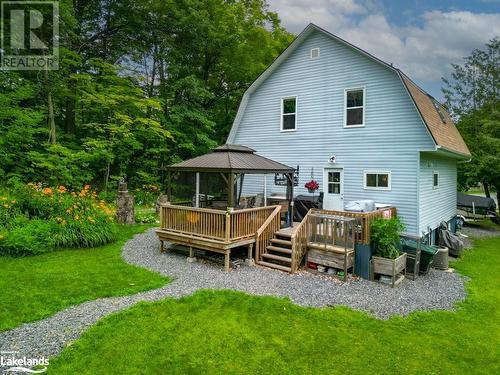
[
  {"x": 233, "y": 162},
  {"x": 220, "y": 230}
]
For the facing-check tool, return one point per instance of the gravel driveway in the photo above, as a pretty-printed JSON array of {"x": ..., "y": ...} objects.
[{"x": 437, "y": 290}]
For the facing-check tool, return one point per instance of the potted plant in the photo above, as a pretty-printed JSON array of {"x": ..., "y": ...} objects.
[
  {"x": 312, "y": 186},
  {"x": 387, "y": 259}
]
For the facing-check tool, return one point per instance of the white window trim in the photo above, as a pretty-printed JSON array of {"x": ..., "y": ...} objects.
[
  {"x": 283, "y": 98},
  {"x": 363, "y": 106},
  {"x": 319, "y": 53},
  {"x": 439, "y": 179},
  {"x": 388, "y": 188}
]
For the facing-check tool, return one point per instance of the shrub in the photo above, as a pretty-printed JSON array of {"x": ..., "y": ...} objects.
[
  {"x": 32, "y": 238},
  {"x": 385, "y": 236},
  {"x": 9, "y": 211},
  {"x": 82, "y": 232},
  {"x": 107, "y": 196},
  {"x": 147, "y": 218},
  {"x": 147, "y": 195}
]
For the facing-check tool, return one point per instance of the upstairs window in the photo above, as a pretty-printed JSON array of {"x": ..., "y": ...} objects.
[
  {"x": 354, "y": 107},
  {"x": 314, "y": 53},
  {"x": 376, "y": 180},
  {"x": 288, "y": 114}
]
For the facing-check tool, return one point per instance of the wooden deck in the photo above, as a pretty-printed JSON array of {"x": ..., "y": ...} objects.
[
  {"x": 260, "y": 228},
  {"x": 213, "y": 230}
]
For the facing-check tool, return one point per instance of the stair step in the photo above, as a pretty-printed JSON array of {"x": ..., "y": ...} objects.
[
  {"x": 274, "y": 265},
  {"x": 283, "y": 234},
  {"x": 281, "y": 242},
  {"x": 277, "y": 257},
  {"x": 279, "y": 249}
]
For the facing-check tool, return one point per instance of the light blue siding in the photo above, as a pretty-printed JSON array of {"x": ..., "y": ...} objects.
[
  {"x": 437, "y": 204},
  {"x": 391, "y": 139}
]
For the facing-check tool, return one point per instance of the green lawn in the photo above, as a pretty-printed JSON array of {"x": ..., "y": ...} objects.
[
  {"x": 228, "y": 332},
  {"x": 36, "y": 287}
]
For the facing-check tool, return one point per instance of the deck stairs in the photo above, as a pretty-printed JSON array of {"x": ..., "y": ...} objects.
[{"x": 278, "y": 254}]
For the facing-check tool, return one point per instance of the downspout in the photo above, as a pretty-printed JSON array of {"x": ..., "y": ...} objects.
[{"x": 418, "y": 193}]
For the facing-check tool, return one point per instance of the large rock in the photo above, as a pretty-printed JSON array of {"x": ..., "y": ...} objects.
[
  {"x": 162, "y": 199},
  {"x": 124, "y": 205}
]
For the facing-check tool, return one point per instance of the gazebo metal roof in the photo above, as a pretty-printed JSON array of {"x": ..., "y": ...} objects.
[{"x": 230, "y": 158}]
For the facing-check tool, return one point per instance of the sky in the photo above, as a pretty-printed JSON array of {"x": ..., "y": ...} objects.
[{"x": 421, "y": 37}]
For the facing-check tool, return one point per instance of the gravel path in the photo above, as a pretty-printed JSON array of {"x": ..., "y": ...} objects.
[
  {"x": 437, "y": 290},
  {"x": 477, "y": 231}
]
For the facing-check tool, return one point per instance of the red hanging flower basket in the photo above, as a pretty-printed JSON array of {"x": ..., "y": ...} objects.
[{"x": 312, "y": 186}]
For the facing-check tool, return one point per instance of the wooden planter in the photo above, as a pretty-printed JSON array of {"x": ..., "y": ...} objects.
[{"x": 395, "y": 268}]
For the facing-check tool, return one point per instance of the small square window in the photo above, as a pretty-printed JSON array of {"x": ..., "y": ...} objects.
[
  {"x": 435, "y": 179},
  {"x": 314, "y": 53}
]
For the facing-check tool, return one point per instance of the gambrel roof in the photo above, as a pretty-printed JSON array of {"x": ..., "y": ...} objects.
[
  {"x": 436, "y": 118},
  {"x": 432, "y": 113}
]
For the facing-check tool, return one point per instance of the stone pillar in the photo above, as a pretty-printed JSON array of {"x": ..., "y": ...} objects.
[
  {"x": 124, "y": 205},
  {"x": 162, "y": 199}
]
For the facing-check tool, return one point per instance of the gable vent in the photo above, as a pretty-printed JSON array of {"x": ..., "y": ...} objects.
[{"x": 314, "y": 53}]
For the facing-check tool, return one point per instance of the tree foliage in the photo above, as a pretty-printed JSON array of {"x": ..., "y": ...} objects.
[
  {"x": 472, "y": 94},
  {"x": 141, "y": 84}
]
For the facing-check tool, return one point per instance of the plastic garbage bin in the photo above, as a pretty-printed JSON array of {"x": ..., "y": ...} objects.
[{"x": 427, "y": 253}]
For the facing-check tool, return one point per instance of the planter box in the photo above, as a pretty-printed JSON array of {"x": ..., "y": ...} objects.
[{"x": 395, "y": 268}]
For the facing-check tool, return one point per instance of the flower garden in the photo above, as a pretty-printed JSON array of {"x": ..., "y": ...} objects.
[{"x": 35, "y": 219}]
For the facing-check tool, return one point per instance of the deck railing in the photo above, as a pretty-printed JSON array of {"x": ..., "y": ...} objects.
[
  {"x": 246, "y": 222},
  {"x": 212, "y": 224},
  {"x": 300, "y": 238},
  {"x": 364, "y": 220},
  {"x": 267, "y": 231}
]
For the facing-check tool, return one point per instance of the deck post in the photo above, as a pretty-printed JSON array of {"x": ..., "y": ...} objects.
[
  {"x": 227, "y": 258},
  {"x": 169, "y": 186},
  {"x": 197, "y": 196},
  {"x": 230, "y": 193},
  {"x": 191, "y": 258},
  {"x": 228, "y": 224},
  {"x": 289, "y": 197},
  {"x": 265, "y": 190},
  {"x": 292, "y": 203},
  {"x": 249, "y": 261}
]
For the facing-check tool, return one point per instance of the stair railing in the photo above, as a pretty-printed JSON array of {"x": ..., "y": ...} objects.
[
  {"x": 266, "y": 232},
  {"x": 299, "y": 240}
]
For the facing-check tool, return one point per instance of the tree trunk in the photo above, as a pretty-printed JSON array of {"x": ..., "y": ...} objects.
[
  {"x": 50, "y": 110},
  {"x": 70, "y": 118},
  {"x": 486, "y": 189},
  {"x": 106, "y": 178},
  {"x": 498, "y": 197}
]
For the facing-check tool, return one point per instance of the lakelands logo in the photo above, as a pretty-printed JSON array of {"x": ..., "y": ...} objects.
[
  {"x": 11, "y": 362},
  {"x": 29, "y": 35}
]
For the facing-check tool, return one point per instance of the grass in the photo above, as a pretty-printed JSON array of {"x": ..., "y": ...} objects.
[
  {"x": 217, "y": 332},
  {"x": 36, "y": 287}
]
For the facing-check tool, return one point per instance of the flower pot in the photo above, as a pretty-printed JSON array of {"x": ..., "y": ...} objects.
[
  {"x": 311, "y": 191},
  {"x": 389, "y": 267}
]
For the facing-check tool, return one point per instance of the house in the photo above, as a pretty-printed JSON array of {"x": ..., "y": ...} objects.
[{"x": 357, "y": 125}]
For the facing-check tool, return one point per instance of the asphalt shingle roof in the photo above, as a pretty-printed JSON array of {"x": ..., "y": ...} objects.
[{"x": 231, "y": 158}]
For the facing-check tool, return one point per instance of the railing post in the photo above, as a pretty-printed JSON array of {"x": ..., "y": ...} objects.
[
  {"x": 228, "y": 224},
  {"x": 163, "y": 214}
]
